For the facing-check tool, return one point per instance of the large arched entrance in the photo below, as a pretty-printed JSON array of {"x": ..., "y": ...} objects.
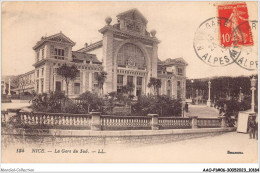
[{"x": 131, "y": 68}]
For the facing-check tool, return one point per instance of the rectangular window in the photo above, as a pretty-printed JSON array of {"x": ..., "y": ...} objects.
[
  {"x": 169, "y": 92},
  {"x": 120, "y": 79},
  {"x": 169, "y": 83},
  {"x": 58, "y": 86},
  {"x": 130, "y": 80},
  {"x": 76, "y": 88},
  {"x": 38, "y": 56},
  {"x": 180, "y": 72},
  {"x": 95, "y": 76},
  {"x": 139, "y": 81},
  {"x": 42, "y": 53},
  {"x": 138, "y": 92},
  {"x": 42, "y": 72},
  {"x": 42, "y": 86},
  {"x": 178, "y": 85},
  {"x": 119, "y": 83},
  {"x": 37, "y": 86},
  {"x": 59, "y": 54},
  {"x": 37, "y": 73}
]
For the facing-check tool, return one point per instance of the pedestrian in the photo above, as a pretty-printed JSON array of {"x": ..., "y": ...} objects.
[
  {"x": 221, "y": 111},
  {"x": 186, "y": 107},
  {"x": 256, "y": 128},
  {"x": 252, "y": 127}
]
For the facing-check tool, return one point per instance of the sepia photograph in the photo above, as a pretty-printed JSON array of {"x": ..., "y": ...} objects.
[{"x": 129, "y": 82}]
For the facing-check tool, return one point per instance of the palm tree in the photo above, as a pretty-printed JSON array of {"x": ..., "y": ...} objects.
[
  {"x": 101, "y": 77},
  {"x": 68, "y": 73},
  {"x": 155, "y": 84}
]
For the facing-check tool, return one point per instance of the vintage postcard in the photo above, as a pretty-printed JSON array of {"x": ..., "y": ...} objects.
[{"x": 129, "y": 82}]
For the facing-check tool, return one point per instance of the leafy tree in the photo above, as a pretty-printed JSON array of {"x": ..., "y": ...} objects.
[
  {"x": 101, "y": 77},
  {"x": 68, "y": 73},
  {"x": 111, "y": 100},
  {"x": 15, "y": 82},
  {"x": 155, "y": 84},
  {"x": 90, "y": 101}
]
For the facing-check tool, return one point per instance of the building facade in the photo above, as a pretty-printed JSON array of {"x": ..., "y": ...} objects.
[{"x": 127, "y": 52}]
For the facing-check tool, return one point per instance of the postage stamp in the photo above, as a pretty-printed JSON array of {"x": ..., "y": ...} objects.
[
  {"x": 236, "y": 30},
  {"x": 207, "y": 47},
  {"x": 228, "y": 38}
]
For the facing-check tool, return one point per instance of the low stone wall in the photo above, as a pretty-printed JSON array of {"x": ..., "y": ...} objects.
[
  {"x": 88, "y": 137},
  {"x": 97, "y": 122}
]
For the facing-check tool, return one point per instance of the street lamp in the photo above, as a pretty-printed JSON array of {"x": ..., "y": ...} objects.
[
  {"x": 240, "y": 95},
  {"x": 9, "y": 87},
  {"x": 209, "y": 102},
  {"x": 253, "y": 88},
  {"x": 192, "y": 81}
]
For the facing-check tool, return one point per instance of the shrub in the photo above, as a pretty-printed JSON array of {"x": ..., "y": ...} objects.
[
  {"x": 162, "y": 105},
  {"x": 90, "y": 102},
  {"x": 71, "y": 107},
  {"x": 48, "y": 102}
]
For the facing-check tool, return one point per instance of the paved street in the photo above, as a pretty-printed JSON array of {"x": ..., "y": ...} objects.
[
  {"x": 211, "y": 149},
  {"x": 15, "y": 104},
  {"x": 202, "y": 111},
  {"x": 208, "y": 149}
]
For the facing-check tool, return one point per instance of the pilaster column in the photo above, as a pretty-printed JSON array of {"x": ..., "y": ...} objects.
[
  {"x": 134, "y": 81},
  {"x": 95, "y": 121},
  {"x": 90, "y": 81},
  {"x": 143, "y": 85},
  {"x": 124, "y": 80},
  {"x": 40, "y": 86},
  {"x": 54, "y": 82},
  {"x": 84, "y": 81},
  {"x": 194, "y": 122},
  {"x": 154, "y": 122},
  {"x": 165, "y": 87}
]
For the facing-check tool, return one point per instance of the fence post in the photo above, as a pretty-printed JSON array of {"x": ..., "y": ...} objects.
[
  {"x": 194, "y": 122},
  {"x": 154, "y": 122},
  {"x": 95, "y": 121},
  {"x": 223, "y": 122}
]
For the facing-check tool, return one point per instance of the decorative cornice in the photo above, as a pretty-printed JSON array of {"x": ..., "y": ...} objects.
[
  {"x": 47, "y": 39},
  {"x": 39, "y": 63},
  {"x": 128, "y": 34}
]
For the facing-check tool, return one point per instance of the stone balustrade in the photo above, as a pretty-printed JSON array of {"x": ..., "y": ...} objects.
[
  {"x": 55, "y": 120},
  {"x": 112, "y": 122},
  {"x": 96, "y": 122},
  {"x": 209, "y": 122},
  {"x": 174, "y": 123}
]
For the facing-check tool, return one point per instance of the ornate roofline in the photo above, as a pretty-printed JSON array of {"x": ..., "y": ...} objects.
[
  {"x": 133, "y": 10},
  {"x": 45, "y": 39},
  {"x": 128, "y": 33}
]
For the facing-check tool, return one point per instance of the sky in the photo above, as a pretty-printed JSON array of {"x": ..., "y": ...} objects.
[{"x": 24, "y": 23}]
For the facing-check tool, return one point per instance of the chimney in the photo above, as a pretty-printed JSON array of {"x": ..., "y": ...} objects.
[{"x": 86, "y": 45}]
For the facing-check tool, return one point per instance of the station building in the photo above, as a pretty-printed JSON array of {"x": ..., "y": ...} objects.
[{"x": 127, "y": 52}]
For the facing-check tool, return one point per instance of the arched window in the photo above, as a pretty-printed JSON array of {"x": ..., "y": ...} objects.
[{"x": 131, "y": 55}]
